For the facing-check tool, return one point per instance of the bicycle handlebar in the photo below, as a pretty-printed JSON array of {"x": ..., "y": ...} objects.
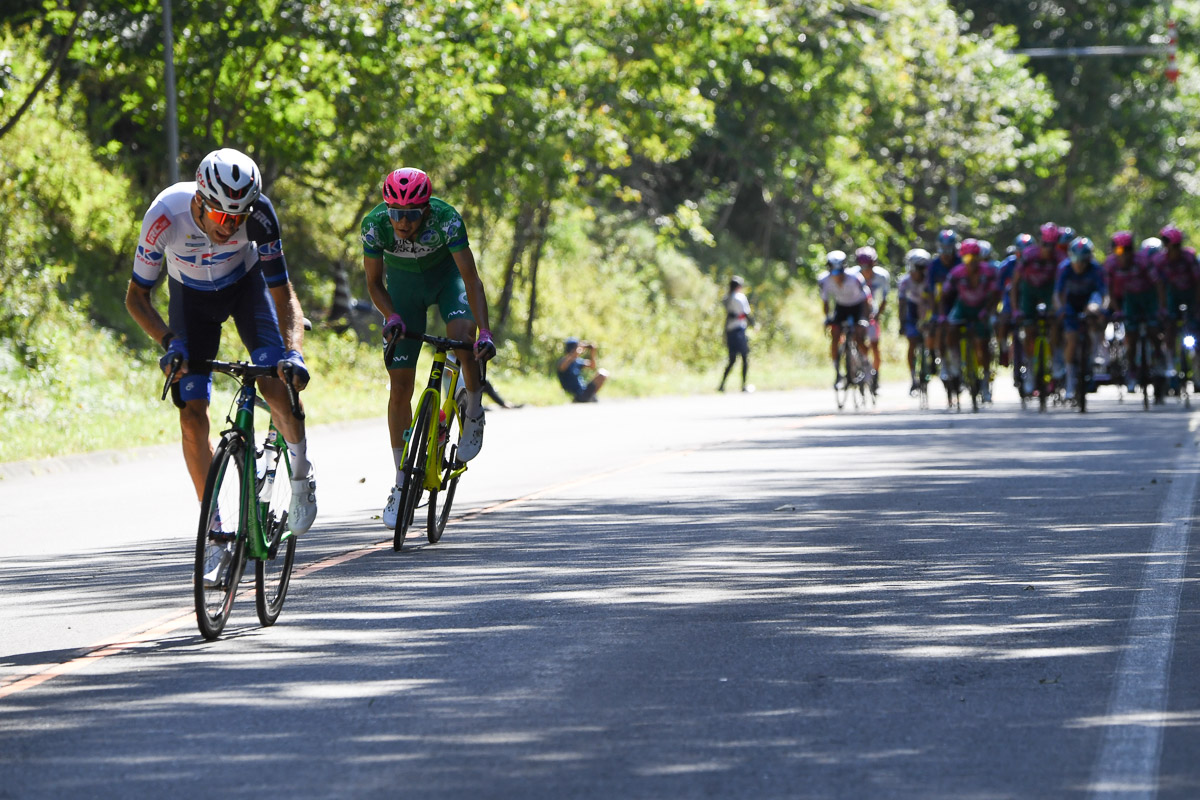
[
  {"x": 246, "y": 372},
  {"x": 439, "y": 343}
]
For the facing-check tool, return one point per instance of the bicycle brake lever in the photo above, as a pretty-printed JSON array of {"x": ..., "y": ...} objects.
[
  {"x": 289, "y": 375},
  {"x": 176, "y": 364}
]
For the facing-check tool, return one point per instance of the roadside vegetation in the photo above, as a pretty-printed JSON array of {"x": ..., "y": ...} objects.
[{"x": 615, "y": 163}]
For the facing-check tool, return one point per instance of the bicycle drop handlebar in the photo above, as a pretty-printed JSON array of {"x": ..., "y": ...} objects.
[
  {"x": 439, "y": 342},
  {"x": 244, "y": 372}
]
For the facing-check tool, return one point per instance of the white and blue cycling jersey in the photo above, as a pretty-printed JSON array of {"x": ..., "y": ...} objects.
[{"x": 171, "y": 237}]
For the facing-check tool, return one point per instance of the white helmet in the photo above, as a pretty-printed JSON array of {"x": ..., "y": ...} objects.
[
  {"x": 1151, "y": 245},
  {"x": 918, "y": 256},
  {"x": 985, "y": 250},
  {"x": 229, "y": 181},
  {"x": 836, "y": 259}
]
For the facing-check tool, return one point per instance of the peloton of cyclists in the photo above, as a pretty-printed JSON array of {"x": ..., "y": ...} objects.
[{"x": 846, "y": 299}]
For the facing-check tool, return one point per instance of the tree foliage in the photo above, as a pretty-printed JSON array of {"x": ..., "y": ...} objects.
[{"x": 747, "y": 135}]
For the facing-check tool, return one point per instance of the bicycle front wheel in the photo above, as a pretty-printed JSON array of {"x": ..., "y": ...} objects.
[
  {"x": 220, "y": 560},
  {"x": 414, "y": 471},
  {"x": 273, "y": 575},
  {"x": 449, "y": 465}
]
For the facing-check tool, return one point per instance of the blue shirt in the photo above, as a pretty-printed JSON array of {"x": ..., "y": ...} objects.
[
  {"x": 571, "y": 378},
  {"x": 1076, "y": 288}
]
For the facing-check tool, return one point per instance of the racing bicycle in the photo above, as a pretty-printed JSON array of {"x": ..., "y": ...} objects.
[
  {"x": 429, "y": 462},
  {"x": 245, "y": 506},
  {"x": 854, "y": 381}
]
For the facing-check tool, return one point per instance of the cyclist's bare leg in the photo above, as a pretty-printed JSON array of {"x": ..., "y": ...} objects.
[
  {"x": 276, "y": 395},
  {"x": 197, "y": 448},
  {"x": 465, "y": 330},
  {"x": 400, "y": 403},
  {"x": 835, "y": 341}
]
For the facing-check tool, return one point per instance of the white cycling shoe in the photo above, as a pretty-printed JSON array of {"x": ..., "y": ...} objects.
[
  {"x": 471, "y": 441},
  {"x": 391, "y": 511},
  {"x": 303, "y": 508},
  {"x": 217, "y": 555}
]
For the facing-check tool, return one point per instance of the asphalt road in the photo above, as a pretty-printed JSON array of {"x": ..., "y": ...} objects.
[{"x": 735, "y": 596}]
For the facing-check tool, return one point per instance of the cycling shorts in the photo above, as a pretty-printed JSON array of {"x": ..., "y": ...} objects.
[
  {"x": 196, "y": 316},
  {"x": 908, "y": 322},
  {"x": 1031, "y": 296},
  {"x": 969, "y": 315},
  {"x": 842, "y": 313},
  {"x": 1177, "y": 298},
  {"x": 1140, "y": 307},
  {"x": 413, "y": 293}
]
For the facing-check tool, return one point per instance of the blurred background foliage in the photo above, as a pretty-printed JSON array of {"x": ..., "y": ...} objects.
[{"x": 614, "y": 161}]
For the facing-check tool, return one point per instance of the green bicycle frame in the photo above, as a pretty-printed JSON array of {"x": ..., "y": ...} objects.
[{"x": 253, "y": 529}]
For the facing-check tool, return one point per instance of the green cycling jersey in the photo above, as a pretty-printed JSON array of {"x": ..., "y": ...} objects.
[{"x": 441, "y": 234}]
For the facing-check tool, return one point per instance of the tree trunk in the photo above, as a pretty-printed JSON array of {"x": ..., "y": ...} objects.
[
  {"x": 64, "y": 48},
  {"x": 539, "y": 232},
  {"x": 520, "y": 241}
]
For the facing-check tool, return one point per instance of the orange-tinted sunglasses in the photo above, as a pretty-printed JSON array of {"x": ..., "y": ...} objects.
[{"x": 223, "y": 218}]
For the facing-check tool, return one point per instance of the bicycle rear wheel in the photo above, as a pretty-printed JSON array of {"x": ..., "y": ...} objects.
[
  {"x": 273, "y": 575},
  {"x": 414, "y": 471},
  {"x": 225, "y": 509}
]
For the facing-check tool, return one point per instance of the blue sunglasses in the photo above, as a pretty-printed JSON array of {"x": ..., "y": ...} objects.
[{"x": 409, "y": 214}]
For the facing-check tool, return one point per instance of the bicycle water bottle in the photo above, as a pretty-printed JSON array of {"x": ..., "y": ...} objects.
[{"x": 267, "y": 469}]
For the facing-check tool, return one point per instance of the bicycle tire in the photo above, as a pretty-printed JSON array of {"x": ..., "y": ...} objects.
[
  {"x": 1083, "y": 373},
  {"x": 1143, "y": 369},
  {"x": 448, "y": 464},
  {"x": 414, "y": 471},
  {"x": 1040, "y": 385},
  {"x": 273, "y": 575},
  {"x": 841, "y": 388},
  {"x": 223, "y": 488}
]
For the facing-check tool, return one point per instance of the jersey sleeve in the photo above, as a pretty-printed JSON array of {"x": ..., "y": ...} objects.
[
  {"x": 372, "y": 240},
  {"x": 263, "y": 229},
  {"x": 456, "y": 232},
  {"x": 148, "y": 260}
]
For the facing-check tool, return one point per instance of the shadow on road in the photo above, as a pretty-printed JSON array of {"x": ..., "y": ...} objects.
[{"x": 836, "y": 612}]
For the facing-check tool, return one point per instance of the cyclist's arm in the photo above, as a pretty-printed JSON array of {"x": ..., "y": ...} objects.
[
  {"x": 476, "y": 296},
  {"x": 291, "y": 319},
  {"x": 137, "y": 302},
  {"x": 373, "y": 265}
]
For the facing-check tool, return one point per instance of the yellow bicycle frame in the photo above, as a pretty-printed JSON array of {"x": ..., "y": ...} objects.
[{"x": 449, "y": 369}]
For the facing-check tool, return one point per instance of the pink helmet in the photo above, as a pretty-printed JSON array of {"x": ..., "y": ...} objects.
[
  {"x": 970, "y": 247},
  {"x": 1123, "y": 239},
  {"x": 407, "y": 187},
  {"x": 1171, "y": 235},
  {"x": 1050, "y": 233}
]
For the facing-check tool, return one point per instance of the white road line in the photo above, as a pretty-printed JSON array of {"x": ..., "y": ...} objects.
[{"x": 1129, "y": 758}]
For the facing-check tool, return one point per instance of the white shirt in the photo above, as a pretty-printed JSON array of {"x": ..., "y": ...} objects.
[
  {"x": 170, "y": 237},
  {"x": 737, "y": 311},
  {"x": 852, "y": 291}
]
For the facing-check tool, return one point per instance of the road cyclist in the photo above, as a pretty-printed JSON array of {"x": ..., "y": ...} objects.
[
  {"x": 1179, "y": 286},
  {"x": 846, "y": 298},
  {"x": 1004, "y": 277},
  {"x": 219, "y": 240},
  {"x": 1033, "y": 286},
  {"x": 970, "y": 294},
  {"x": 879, "y": 280},
  {"x": 416, "y": 254},
  {"x": 1079, "y": 299},
  {"x": 912, "y": 299},
  {"x": 1133, "y": 289}
]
